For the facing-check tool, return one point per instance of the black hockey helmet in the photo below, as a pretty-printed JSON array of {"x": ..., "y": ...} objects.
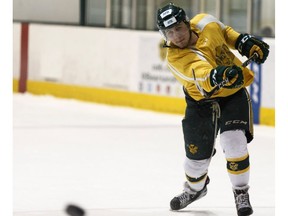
[{"x": 170, "y": 15}]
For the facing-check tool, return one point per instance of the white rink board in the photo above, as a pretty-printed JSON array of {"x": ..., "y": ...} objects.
[{"x": 93, "y": 57}]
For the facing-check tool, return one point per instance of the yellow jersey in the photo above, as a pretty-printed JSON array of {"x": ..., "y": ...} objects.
[{"x": 211, "y": 50}]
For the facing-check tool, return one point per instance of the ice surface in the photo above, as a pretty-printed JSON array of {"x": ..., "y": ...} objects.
[{"x": 119, "y": 161}]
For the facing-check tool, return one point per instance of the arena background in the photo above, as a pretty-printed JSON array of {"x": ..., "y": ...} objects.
[{"x": 94, "y": 51}]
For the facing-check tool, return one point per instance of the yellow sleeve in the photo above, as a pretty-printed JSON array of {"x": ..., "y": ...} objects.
[
  {"x": 183, "y": 63},
  {"x": 231, "y": 36},
  {"x": 229, "y": 33}
]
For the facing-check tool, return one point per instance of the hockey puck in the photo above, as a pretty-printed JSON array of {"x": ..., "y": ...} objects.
[{"x": 74, "y": 210}]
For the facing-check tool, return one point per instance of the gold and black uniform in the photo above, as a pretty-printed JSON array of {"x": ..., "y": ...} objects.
[
  {"x": 233, "y": 105},
  {"x": 211, "y": 50}
]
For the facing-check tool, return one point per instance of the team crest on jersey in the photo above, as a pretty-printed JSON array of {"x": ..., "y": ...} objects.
[
  {"x": 224, "y": 56},
  {"x": 193, "y": 149}
]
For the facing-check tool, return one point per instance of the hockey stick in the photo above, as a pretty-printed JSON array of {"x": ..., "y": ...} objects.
[{"x": 207, "y": 95}]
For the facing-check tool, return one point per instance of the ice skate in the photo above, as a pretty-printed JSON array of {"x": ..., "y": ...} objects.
[
  {"x": 188, "y": 196},
  {"x": 242, "y": 202}
]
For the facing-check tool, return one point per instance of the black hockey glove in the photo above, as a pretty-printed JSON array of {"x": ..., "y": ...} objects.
[
  {"x": 247, "y": 45},
  {"x": 232, "y": 74}
]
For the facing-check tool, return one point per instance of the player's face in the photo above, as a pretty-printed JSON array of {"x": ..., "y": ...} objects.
[{"x": 178, "y": 35}]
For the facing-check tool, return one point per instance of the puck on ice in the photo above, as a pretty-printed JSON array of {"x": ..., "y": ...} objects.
[{"x": 74, "y": 210}]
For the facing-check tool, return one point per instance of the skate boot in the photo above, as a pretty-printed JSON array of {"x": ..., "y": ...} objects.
[
  {"x": 242, "y": 202},
  {"x": 188, "y": 196}
]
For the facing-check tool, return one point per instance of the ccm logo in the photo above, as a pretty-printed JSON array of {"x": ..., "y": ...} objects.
[{"x": 235, "y": 122}]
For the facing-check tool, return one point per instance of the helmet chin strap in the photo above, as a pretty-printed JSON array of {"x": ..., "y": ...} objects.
[{"x": 165, "y": 45}]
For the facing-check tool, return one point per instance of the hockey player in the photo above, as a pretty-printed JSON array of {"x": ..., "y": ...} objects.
[{"x": 199, "y": 56}]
